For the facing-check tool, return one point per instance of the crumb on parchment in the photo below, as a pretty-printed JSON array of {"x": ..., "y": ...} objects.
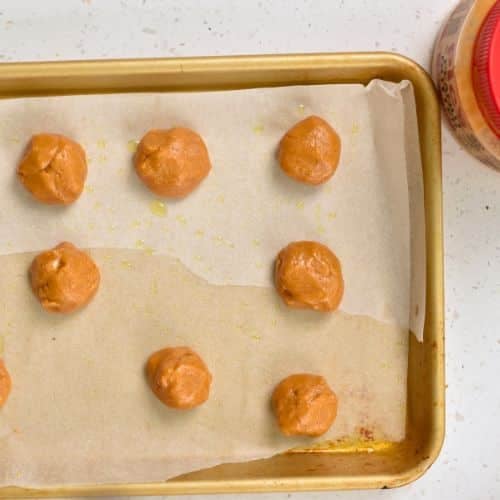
[{"x": 158, "y": 208}]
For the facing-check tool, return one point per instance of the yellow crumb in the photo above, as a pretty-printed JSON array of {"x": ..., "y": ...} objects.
[
  {"x": 101, "y": 143},
  {"x": 140, "y": 244},
  {"x": 181, "y": 219},
  {"x": 127, "y": 264},
  {"x": 220, "y": 198},
  {"x": 354, "y": 128},
  {"x": 258, "y": 129},
  {"x": 256, "y": 242},
  {"x": 158, "y": 208},
  {"x": 199, "y": 233},
  {"x": 332, "y": 215},
  {"x": 300, "y": 205},
  {"x": 89, "y": 188},
  {"x": 132, "y": 145},
  {"x": 301, "y": 108}
]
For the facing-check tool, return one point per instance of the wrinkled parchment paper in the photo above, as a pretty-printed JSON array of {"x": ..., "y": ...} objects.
[
  {"x": 230, "y": 229},
  {"x": 197, "y": 272},
  {"x": 81, "y": 412}
]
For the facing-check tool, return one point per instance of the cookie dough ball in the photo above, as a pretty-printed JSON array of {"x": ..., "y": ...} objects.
[
  {"x": 304, "y": 405},
  {"x": 5, "y": 383},
  {"x": 308, "y": 276},
  {"x": 309, "y": 152},
  {"x": 172, "y": 162},
  {"x": 64, "y": 279},
  {"x": 178, "y": 377},
  {"x": 53, "y": 169}
]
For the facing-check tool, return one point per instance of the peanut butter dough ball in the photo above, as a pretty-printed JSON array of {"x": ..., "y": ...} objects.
[
  {"x": 172, "y": 162},
  {"x": 64, "y": 279},
  {"x": 308, "y": 275},
  {"x": 53, "y": 169},
  {"x": 178, "y": 377},
  {"x": 309, "y": 152},
  {"x": 304, "y": 405},
  {"x": 5, "y": 383}
]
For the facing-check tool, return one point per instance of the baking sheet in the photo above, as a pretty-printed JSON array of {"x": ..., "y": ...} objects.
[
  {"x": 231, "y": 228},
  {"x": 197, "y": 272}
]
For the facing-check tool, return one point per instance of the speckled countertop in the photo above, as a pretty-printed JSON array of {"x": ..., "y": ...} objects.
[{"x": 469, "y": 465}]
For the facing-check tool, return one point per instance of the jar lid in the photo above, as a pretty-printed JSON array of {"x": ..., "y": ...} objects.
[{"x": 486, "y": 68}]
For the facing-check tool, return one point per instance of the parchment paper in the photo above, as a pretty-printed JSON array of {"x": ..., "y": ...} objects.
[
  {"x": 81, "y": 412},
  {"x": 231, "y": 228},
  {"x": 199, "y": 275}
]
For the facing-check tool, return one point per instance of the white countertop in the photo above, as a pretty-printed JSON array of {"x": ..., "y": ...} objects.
[{"x": 469, "y": 465}]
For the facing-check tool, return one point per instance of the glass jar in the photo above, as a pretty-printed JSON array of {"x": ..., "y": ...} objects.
[{"x": 466, "y": 70}]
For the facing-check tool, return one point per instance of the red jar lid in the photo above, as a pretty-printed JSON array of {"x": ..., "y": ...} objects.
[{"x": 486, "y": 68}]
